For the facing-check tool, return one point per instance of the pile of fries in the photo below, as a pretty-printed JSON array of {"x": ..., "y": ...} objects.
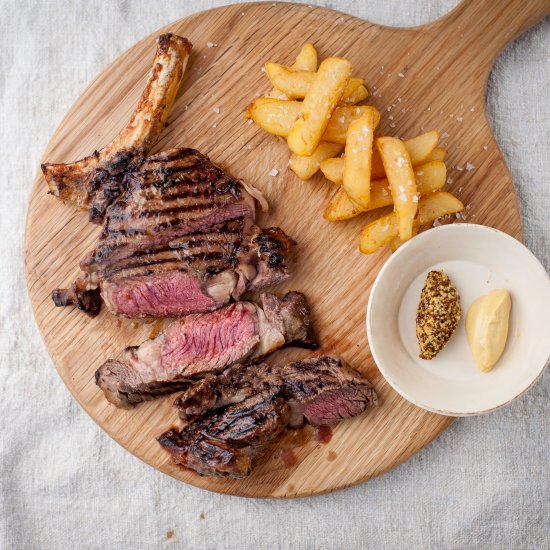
[{"x": 315, "y": 107}]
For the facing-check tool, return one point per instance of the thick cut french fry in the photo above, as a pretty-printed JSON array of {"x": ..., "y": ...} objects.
[
  {"x": 378, "y": 233},
  {"x": 436, "y": 205},
  {"x": 306, "y": 167},
  {"x": 355, "y": 92},
  {"x": 333, "y": 169},
  {"x": 318, "y": 105},
  {"x": 276, "y": 116},
  {"x": 295, "y": 83},
  {"x": 341, "y": 208},
  {"x": 342, "y": 117},
  {"x": 397, "y": 242},
  {"x": 402, "y": 183},
  {"x": 306, "y": 60},
  {"x": 430, "y": 177},
  {"x": 385, "y": 229},
  {"x": 357, "y": 162},
  {"x": 421, "y": 146},
  {"x": 420, "y": 154},
  {"x": 439, "y": 153}
]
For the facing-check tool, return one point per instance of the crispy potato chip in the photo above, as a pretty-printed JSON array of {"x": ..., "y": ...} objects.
[
  {"x": 306, "y": 167},
  {"x": 430, "y": 177},
  {"x": 402, "y": 183},
  {"x": 319, "y": 103},
  {"x": 357, "y": 161},
  {"x": 385, "y": 229}
]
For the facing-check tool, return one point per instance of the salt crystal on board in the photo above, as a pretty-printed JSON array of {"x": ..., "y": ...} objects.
[{"x": 273, "y": 172}]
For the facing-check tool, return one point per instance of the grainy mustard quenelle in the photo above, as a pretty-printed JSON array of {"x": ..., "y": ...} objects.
[
  {"x": 438, "y": 314},
  {"x": 487, "y": 328}
]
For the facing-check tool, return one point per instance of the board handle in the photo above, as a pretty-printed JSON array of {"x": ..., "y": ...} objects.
[{"x": 482, "y": 28}]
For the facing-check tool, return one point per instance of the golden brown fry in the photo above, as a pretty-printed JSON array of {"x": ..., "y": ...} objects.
[
  {"x": 397, "y": 242},
  {"x": 357, "y": 162},
  {"x": 342, "y": 117},
  {"x": 295, "y": 83},
  {"x": 421, "y": 146},
  {"x": 436, "y": 205},
  {"x": 402, "y": 183},
  {"x": 318, "y": 105},
  {"x": 333, "y": 169},
  {"x": 439, "y": 153},
  {"x": 385, "y": 229},
  {"x": 306, "y": 60},
  {"x": 421, "y": 153},
  {"x": 276, "y": 116},
  {"x": 430, "y": 177},
  {"x": 306, "y": 167},
  {"x": 341, "y": 208}
]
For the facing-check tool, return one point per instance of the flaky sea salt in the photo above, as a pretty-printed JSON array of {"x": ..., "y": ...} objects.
[
  {"x": 216, "y": 110},
  {"x": 469, "y": 167},
  {"x": 273, "y": 172},
  {"x": 400, "y": 75},
  {"x": 211, "y": 45},
  {"x": 444, "y": 135}
]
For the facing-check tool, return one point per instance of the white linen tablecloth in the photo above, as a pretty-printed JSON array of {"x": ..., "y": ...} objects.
[{"x": 485, "y": 483}]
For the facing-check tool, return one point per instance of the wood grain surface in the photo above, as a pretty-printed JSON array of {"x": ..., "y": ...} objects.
[{"x": 426, "y": 77}]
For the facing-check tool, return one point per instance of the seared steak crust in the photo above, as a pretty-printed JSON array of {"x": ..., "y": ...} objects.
[{"x": 202, "y": 344}]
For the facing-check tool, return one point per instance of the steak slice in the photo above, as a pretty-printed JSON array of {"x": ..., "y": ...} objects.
[
  {"x": 320, "y": 390},
  {"x": 226, "y": 442},
  {"x": 245, "y": 408},
  {"x": 202, "y": 344}
]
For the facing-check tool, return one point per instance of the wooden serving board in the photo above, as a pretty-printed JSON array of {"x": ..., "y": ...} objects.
[{"x": 426, "y": 77}]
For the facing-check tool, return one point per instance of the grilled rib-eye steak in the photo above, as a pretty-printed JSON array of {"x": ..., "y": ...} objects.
[
  {"x": 207, "y": 343},
  {"x": 180, "y": 240},
  {"x": 178, "y": 232},
  {"x": 232, "y": 417}
]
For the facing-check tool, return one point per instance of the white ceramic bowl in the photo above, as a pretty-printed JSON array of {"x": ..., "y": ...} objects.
[{"x": 477, "y": 259}]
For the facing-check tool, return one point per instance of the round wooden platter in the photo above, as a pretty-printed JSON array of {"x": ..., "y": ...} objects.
[{"x": 425, "y": 77}]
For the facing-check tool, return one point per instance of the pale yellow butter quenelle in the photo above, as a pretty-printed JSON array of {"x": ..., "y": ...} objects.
[{"x": 487, "y": 328}]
